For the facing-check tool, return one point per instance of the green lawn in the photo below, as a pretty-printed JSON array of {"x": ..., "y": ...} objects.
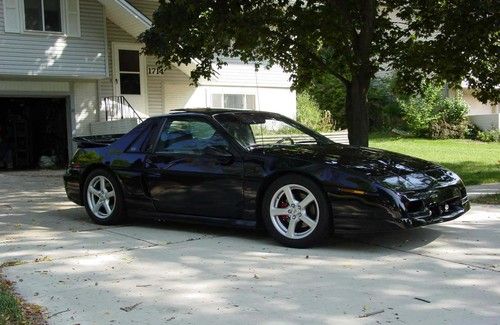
[{"x": 476, "y": 162}]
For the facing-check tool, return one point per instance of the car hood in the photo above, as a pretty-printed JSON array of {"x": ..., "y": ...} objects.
[{"x": 391, "y": 169}]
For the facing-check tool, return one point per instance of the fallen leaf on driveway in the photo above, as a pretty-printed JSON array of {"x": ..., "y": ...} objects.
[
  {"x": 59, "y": 312},
  {"x": 43, "y": 259},
  {"x": 129, "y": 308},
  {"x": 371, "y": 314}
]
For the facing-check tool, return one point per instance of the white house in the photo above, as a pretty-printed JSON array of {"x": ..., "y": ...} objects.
[
  {"x": 485, "y": 116},
  {"x": 73, "y": 68}
]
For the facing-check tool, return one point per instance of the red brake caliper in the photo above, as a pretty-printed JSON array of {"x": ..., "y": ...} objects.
[{"x": 283, "y": 204}]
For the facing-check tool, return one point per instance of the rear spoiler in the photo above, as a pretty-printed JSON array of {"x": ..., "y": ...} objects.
[{"x": 94, "y": 141}]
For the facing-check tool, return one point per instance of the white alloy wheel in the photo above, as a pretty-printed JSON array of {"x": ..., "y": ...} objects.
[
  {"x": 101, "y": 197},
  {"x": 294, "y": 211}
]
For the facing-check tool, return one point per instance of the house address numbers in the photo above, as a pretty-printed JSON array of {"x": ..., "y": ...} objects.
[{"x": 156, "y": 71}]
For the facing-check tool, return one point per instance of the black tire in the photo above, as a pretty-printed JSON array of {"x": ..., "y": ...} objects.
[
  {"x": 117, "y": 214},
  {"x": 323, "y": 220}
]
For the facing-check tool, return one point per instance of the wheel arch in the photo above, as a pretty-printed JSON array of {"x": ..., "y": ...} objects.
[
  {"x": 271, "y": 178},
  {"x": 89, "y": 169}
]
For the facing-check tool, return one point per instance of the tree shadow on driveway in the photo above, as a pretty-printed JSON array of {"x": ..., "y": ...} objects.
[{"x": 201, "y": 274}]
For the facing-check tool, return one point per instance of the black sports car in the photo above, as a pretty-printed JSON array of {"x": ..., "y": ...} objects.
[{"x": 246, "y": 169}]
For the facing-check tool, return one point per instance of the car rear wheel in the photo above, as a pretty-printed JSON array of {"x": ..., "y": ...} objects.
[
  {"x": 296, "y": 212},
  {"x": 103, "y": 198}
]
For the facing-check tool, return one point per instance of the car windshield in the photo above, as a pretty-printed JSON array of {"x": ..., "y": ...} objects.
[{"x": 252, "y": 129}]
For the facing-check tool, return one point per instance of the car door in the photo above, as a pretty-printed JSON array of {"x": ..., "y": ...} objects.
[{"x": 193, "y": 170}]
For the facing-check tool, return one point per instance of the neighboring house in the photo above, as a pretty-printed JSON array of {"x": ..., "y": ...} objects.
[
  {"x": 73, "y": 67},
  {"x": 485, "y": 116}
]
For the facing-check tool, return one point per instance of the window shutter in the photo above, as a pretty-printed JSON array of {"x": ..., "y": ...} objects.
[
  {"x": 11, "y": 16},
  {"x": 73, "y": 18}
]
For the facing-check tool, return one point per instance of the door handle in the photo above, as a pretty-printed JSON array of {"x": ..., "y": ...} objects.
[{"x": 148, "y": 163}]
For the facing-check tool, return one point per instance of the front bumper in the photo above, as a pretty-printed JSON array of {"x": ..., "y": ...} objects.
[{"x": 358, "y": 214}]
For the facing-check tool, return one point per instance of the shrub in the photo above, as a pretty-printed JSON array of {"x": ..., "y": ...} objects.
[
  {"x": 309, "y": 114},
  {"x": 489, "y": 136},
  {"x": 472, "y": 131},
  {"x": 454, "y": 110},
  {"x": 441, "y": 129},
  {"x": 430, "y": 114},
  {"x": 419, "y": 111},
  {"x": 383, "y": 107},
  {"x": 329, "y": 94}
]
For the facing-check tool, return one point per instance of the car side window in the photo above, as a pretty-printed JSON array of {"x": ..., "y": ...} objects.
[
  {"x": 137, "y": 144},
  {"x": 189, "y": 136}
]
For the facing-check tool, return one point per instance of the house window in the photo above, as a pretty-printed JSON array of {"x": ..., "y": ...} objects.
[
  {"x": 43, "y": 15},
  {"x": 130, "y": 72},
  {"x": 241, "y": 101}
]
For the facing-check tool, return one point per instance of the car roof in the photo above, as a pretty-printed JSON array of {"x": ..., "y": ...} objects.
[{"x": 211, "y": 111}]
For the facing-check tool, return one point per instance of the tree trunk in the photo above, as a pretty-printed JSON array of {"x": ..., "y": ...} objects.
[
  {"x": 357, "y": 111},
  {"x": 362, "y": 71}
]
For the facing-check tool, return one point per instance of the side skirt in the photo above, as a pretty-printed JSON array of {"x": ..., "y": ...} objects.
[{"x": 224, "y": 222}]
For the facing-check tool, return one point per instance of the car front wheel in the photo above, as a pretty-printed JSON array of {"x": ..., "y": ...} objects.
[
  {"x": 103, "y": 198},
  {"x": 296, "y": 212}
]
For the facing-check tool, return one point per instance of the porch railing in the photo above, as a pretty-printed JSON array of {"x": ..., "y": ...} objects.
[{"x": 118, "y": 107}]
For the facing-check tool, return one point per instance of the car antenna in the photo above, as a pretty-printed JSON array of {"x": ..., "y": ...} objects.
[{"x": 257, "y": 99}]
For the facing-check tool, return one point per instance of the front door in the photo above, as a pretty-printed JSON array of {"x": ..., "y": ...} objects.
[
  {"x": 129, "y": 73},
  {"x": 187, "y": 174}
]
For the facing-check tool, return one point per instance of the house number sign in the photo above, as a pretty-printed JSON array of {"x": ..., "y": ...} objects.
[{"x": 156, "y": 71}]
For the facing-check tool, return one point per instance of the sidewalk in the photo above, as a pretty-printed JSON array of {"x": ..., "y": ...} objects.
[{"x": 485, "y": 189}]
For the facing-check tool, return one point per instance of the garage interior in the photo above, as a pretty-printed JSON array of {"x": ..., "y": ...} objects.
[{"x": 33, "y": 133}]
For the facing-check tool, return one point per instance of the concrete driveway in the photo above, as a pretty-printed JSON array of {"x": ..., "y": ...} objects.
[{"x": 160, "y": 273}]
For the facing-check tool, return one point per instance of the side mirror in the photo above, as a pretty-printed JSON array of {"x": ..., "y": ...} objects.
[{"x": 219, "y": 152}]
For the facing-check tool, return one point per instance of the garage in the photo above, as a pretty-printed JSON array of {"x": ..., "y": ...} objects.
[{"x": 33, "y": 132}]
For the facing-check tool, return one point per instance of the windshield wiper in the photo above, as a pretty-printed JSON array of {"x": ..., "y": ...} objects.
[{"x": 307, "y": 141}]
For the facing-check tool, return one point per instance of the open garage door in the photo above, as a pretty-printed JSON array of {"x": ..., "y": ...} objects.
[{"x": 33, "y": 130}]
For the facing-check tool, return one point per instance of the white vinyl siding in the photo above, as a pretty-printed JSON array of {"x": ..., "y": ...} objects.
[
  {"x": 236, "y": 73},
  {"x": 85, "y": 98},
  {"x": 155, "y": 91},
  {"x": 57, "y": 55}
]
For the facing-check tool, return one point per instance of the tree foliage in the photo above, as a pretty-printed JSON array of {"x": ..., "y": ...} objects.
[{"x": 347, "y": 39}]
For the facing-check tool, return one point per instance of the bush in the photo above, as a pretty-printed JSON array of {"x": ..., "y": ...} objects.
[
  {"x": 440, "y": 129},
  {"x": 472, "y": 131},
  {"x": 489, "y": 136},
  {"x": 329, "y": 94},
  {"x": 419, "y": 111},
  {"x": 309, "y": 114},
  {"x": 430, "y": 114},
  {"x": 383, "y": 107},
  {"x": 454, "y": 110}
]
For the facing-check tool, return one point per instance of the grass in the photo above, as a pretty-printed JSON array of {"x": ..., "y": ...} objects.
[
  {"x": 476, "y": 162},
  {"x": 13, "y": 309},
  {"x": 487, "y": 199}
]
